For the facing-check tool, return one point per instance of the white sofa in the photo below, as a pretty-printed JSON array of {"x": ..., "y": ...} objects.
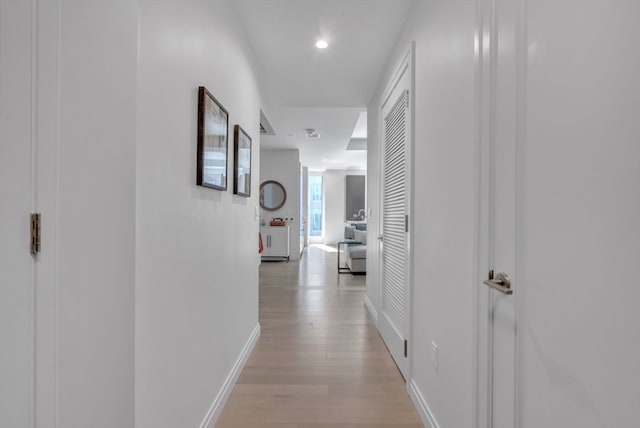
[{"x": 356, "y": 254}]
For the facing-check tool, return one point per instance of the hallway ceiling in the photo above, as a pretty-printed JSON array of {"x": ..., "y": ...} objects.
[{"x": 306, "y": 87}]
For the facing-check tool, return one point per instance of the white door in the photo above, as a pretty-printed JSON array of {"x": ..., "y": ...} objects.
[
  {"x": 562, "y": 145},
  {"x": 396, "y": 177},
  {"x": 16, "y": 201}
]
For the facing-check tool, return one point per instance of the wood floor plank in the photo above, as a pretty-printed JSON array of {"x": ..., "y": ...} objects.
[
  {"x": 320, "y": 362},
  {"x": 320, "y": 402},
  {"x": 279, "y": 390},
  {"x": 330, "y": 425},
  {"x": 233, "y": 424},
  {"x": 314, "y": 415}
]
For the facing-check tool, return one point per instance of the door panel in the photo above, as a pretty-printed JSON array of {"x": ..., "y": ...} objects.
[
  {"x": 581, "y": 226},
  {"x": 16, "y": 263},
  {"x": 396, "y": 176},
  {"x": 563, "y": 204},
  {"x": 503, "y": 243}
]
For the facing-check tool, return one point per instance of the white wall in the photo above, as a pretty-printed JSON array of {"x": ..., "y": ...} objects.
[
  {"x": 374, "y": 225},
  {"x": 80, "y": 134},
  {"x": 577, "y": 341},
  {"x": 284, "y": 166},
  {"x": 95, "y": 214},
  {"x": 444, "y": 211},
  {"x": 131, "y": 248},
  {"x": 334, "y": 203},
  {"x": 196, "y": 252}
]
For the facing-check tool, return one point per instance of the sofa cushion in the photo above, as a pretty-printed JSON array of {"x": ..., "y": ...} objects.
[
  {"x": 349, "y": 232},
  {"x": 360, "y": 235},
  {"x": 357, "y": 251}
]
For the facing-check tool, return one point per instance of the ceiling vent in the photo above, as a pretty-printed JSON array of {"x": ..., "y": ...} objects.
[
  {"x": 265, "y": 126},
  {"x": 312, "y": 133}
]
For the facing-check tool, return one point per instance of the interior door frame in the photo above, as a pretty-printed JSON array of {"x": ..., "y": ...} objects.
[
  {"x": 42, "y": 22},
  {"x": 17, "y": 196},
  {"x": 406, "y": 64},
  {"x": 483, "y": 86},
  {"x": 486, "y": 59}
]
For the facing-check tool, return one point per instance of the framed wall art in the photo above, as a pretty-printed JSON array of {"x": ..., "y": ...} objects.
[
  {"x": 213, "y": 132},
  {"x": 242, "y": 162}
]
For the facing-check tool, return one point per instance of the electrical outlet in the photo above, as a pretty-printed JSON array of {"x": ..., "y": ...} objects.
[{"x": 434, "y": 355}]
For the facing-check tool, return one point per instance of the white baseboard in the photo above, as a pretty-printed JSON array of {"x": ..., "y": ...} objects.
[
  {"x": 424, "y": 412},
  {"x": 218, "y": 404},
  {"x": 371, "y": 308}
]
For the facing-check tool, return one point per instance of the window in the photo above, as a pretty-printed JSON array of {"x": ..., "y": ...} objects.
[{"x": 315, "y": 205}]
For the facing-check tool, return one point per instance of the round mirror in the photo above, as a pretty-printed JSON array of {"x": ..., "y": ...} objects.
[{"x": 272, "y": 195}]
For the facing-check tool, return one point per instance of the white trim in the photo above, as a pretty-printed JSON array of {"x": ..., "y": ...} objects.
[
  {"x": 405, "y": 67},
  {"x": 379, "y": 242},
  {"x": 371, "y": 308},
  {"x": 411, "y": 197},
  {"x": 520, "y": 194},
  {"x": 34, "y": 209},
  {"x": 406, "y": 62},
  {"x": 223, "y": 395},
  {"x": 482, "y": 298},
  {"x": 425, "y": 413}
]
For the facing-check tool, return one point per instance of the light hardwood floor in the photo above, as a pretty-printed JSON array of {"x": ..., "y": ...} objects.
[{"x": 319, "y": 362}]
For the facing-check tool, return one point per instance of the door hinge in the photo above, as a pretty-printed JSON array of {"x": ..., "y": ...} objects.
[
  {"x": 406, "y": 348},
  {"x": 406, "y": 223},
  {"x": 35, "y": 233}
]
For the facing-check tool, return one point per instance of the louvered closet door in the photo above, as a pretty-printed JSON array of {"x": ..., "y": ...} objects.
[{"x": 394, "y": 322}]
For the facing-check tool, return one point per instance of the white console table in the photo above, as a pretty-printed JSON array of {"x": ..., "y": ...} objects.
[{"x": 276, "y": 241}]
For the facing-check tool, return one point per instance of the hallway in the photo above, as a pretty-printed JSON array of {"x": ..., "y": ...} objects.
[{"x": 319, "y": 361}]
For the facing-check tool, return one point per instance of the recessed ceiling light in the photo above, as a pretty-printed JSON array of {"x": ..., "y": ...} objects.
[{"x": 322, "y": 44}]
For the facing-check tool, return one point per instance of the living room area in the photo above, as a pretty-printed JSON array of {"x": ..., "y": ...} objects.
[{"x": 313, "y": 188}]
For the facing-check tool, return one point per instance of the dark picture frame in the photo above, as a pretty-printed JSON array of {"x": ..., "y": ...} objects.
[
  {"x": 213, "y": 141},
  {"x": 241, "y": 162}
]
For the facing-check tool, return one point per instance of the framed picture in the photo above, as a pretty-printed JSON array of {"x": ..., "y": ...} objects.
[
  {"x": 213, "y": 133},
  {"x": 242, "y": 162}
]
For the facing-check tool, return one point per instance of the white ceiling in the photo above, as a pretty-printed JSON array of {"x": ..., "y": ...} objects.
[
  {"x": 305, "y": 87},
  {"x": 335, "y": 126}
]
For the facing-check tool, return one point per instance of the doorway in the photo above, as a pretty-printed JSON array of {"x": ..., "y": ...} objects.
[{"x": 396, "y": 112}]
